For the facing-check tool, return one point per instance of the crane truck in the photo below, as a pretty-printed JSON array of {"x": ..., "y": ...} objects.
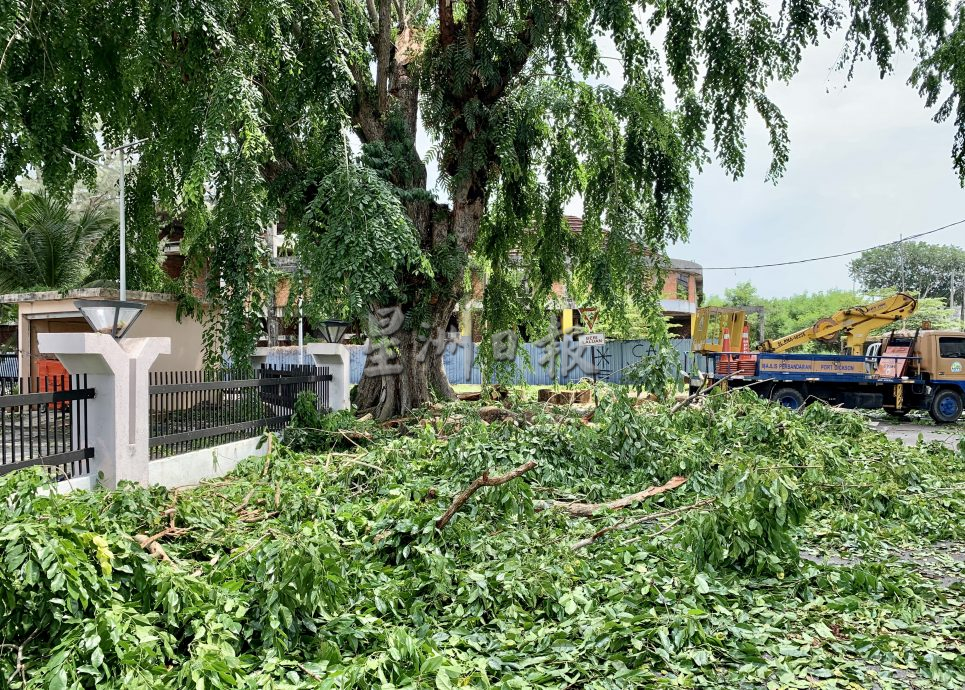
[{"x": 924, "y": 370}]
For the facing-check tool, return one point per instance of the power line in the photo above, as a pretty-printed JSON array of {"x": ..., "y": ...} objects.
[{"x": 834, "y": 256}]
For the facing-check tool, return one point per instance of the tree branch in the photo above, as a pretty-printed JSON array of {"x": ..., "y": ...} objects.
[
  {"x": 639, "y": 521},
  {"x": 447, "y": 24},
  {"x": 383, "y": 48},
  {"x": 703, "y": 391},
  {"x": 589, "y": 509},
  {"x": 477, "y": 484},
  {"x": 152, "y": 547},
  {"x": 373, "y": 15},
  {"x": 19, "y": 668}
]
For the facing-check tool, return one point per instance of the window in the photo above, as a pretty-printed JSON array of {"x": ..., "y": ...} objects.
[
  {"x": 683, "y": 286},
  {"x": 951, "y": 348}
]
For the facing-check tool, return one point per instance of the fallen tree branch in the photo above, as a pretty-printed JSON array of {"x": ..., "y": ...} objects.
[
  {"x": 166, "y": 532},
  {"x": 639, "y": 521},
  {"x": 589, "y": 509},
  {"x": 264, "y": 469},
  {"x": 478, "y": 483},
  {"x": 152, "y": 547},
  {"x": 700, "y": 392},
  {"x": 244, "y": 502}
]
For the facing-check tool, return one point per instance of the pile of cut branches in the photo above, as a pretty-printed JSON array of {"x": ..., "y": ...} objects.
[{"x": 729, "y": 544}]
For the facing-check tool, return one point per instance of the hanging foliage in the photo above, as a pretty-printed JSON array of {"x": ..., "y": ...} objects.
[{"x": 245, "y": 111}]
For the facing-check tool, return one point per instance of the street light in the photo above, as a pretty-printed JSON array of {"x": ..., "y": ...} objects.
[
  {"x": 333, "y": 330},
  {"x": 113, "y": 318},
  {"x": 122, "y": 150}
]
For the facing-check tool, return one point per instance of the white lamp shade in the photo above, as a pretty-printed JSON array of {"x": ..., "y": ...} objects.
[{"x": 110, "y": 317}]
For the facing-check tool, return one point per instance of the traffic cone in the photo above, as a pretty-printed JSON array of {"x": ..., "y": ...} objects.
[
  {"x": 747, "y": 363},
  {"x": 725, "y": 361}
]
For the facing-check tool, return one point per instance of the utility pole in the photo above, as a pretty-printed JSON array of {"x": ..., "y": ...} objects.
[
  {"x": 901, "y": 260},
  {"x": 121, "y": 152}
]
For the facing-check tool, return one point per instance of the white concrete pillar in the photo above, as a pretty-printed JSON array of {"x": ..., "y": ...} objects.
[
  {"x": 118, "y": 415},
  {"x": 331, "y": 355},
  {"x": 336, "y": 358}
]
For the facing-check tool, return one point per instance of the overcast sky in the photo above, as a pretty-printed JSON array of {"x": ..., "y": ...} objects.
[{"x": 867, "y": 165}]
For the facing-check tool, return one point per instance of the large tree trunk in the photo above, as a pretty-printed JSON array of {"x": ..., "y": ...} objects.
[
  {"x": 409, "y": 372},
  {"x": 415, "y": 376}
]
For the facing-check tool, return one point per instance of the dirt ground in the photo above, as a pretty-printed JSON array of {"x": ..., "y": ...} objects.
[{"x": 909, "y": 430}]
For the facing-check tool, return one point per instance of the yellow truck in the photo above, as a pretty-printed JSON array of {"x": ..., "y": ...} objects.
[{"x": 924, "y": 370}]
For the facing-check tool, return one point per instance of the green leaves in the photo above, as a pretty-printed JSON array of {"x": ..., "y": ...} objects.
[
  {"x": 343, "y": 581},
  {"x": 43, "y": 246},
  {"x": 245, "y": 113},
  {"x": 354, "y": 242}
]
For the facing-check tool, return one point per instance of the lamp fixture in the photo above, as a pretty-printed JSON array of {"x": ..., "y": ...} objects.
[
  {"x": 111, "y": 317},
  {"x": 333, "y": 330}
]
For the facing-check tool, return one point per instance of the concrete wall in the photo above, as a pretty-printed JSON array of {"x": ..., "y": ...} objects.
[
  {"x": 191, "y": 468},
  {"x": 187, "y": 469}
]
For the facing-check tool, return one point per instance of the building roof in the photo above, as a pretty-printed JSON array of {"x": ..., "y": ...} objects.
[
  {"x": 682, "y": 265},
  {"x": 85, "y": 293}
]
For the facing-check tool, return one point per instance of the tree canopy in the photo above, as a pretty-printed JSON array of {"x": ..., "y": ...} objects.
[
  {"x": 918, "y": 267},
  {"x": 306, "y": 112}
]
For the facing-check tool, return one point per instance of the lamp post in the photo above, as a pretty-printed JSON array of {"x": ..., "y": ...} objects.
[
  {"x": 301, "y": 334},
  {"x": 120, "y": 170}
]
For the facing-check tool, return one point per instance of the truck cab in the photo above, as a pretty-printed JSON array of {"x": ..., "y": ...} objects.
[{"x": 941, "y": 365}]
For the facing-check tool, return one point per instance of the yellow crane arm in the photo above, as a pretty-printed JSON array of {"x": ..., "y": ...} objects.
[{"x": 855, "y": 323}]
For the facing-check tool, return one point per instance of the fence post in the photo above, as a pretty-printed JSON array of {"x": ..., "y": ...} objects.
[
  {"x": 118, "y": 414},
  {"x": 336, "y": 358}
]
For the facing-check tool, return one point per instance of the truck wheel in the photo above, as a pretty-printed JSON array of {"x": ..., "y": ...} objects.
[
  {"x": 946, "y": 406},
  {"x": 791, "y": 398}
]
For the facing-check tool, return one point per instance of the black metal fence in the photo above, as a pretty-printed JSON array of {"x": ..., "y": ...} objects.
[
  {"x": 191, "y": 410},
  {"x": 43, "y": 421}
]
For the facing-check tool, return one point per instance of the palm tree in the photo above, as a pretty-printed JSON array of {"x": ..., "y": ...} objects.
[{"x": 43, "y": 246}]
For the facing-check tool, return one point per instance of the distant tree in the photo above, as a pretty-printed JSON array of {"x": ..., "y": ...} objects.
[
  {"x": 742, "y": 295},
  {"x": 635, "y": 321},
  {"x": 918, "y": 267},
  {"x": 43, "y": 246},
  {"x": 786, "y": 315}
]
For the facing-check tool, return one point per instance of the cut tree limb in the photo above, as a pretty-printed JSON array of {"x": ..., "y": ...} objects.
[
  {"x": 639, "y": 521},
  {"x": 700, "y": 393},
  {"x": 152, "y": 547},
  {"x": 589, "y": 509},
  {"x": 477, "y": 484}
]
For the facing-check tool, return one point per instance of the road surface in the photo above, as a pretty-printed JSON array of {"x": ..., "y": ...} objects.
[{"x": 908, "y": 431}]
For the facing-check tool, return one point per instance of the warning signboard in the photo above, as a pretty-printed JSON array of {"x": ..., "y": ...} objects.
[{"x": 588, "y": 317}]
